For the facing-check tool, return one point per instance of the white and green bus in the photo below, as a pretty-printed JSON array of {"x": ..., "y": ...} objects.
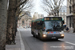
[{"x": 48, "y": 28}]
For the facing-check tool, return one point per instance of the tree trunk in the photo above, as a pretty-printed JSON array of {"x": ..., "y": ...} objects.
[
  {"x": 17, "y": 15},
  {"x": 3, "y": 23},
  {"x": 11, "y": 22},
  {"x": 58, "y": 13},
  {"x": 55, "y": 14}
]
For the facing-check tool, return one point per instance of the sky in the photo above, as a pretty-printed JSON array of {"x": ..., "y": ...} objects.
[{"x": 37, "y": 7}]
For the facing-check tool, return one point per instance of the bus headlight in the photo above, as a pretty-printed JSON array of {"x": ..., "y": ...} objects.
[
  {"x": 62, "y": 34},
  {"x": 44, "y": 35}
]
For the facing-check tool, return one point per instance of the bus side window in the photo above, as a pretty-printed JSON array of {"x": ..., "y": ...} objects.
[
  {"x": 35, "y": 27},
  {"x": 32, "y": 25},
  {"x": 43, "y": 27},
  {"x": 41, "y": 24}
]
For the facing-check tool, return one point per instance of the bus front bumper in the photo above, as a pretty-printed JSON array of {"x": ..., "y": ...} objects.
[{"x": 53, "y": 36}]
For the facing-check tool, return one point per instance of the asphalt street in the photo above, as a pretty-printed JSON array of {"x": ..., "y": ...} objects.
[{"x": 31, "y": 43}]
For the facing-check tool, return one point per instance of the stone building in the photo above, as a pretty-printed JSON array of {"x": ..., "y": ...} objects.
[
  {"x": 25, "y": 21},
  {"x": 37, "y": 16},
  {"x": 70, "y": 13},
  {"x": 73, "y": 6},
  {"x": 62, "y": 13}
]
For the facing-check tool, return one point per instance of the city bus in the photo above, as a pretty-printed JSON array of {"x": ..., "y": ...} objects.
[{"x": 48, "y": 28}]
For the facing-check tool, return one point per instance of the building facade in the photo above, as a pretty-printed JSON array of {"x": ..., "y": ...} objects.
[
  {"x": 37, "y": 16},
  {"x": 25, "y": 21},
  {"x": 70, "y": 13},
  {"x": 63, "y": 12}
]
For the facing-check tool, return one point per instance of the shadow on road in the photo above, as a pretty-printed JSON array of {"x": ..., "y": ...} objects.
[{"x": 46, "y": 40}]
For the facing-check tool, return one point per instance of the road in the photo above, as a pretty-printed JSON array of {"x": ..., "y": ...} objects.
[{"x": 31, "y": 43}]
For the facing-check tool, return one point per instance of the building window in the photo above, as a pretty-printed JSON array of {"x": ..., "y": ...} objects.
[{"x": 73, "y": 1}]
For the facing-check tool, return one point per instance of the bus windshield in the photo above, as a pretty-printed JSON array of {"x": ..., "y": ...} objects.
[{"x": 53, "y": 25}]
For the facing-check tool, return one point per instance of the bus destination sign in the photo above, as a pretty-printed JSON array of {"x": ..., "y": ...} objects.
[{"x": 52, "y": 18}]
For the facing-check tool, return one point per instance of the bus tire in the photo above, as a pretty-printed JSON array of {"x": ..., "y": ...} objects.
[
  {"x": 40, "y": 37},
  {"x": 33, "y": 34}
]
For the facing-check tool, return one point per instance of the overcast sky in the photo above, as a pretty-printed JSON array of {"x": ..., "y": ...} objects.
[{"x": 37, "y": 7}]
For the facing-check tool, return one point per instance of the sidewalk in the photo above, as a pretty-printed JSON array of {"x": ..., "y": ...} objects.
[
  {"x": 17, "y": 46},
  {"x": 69, "y": 31}
]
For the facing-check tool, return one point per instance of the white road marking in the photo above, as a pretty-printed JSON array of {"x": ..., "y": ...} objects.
[
  {"x": 70, "y": 43},
  {"x": 21, "y": 41}
]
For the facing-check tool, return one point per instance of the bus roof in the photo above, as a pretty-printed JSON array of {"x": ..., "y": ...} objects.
[{"x": 42, "y": 19}]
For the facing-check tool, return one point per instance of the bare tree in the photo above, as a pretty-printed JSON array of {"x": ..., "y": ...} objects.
[
  {"x": 52, "y": 6},
  {"x": 26, "y": 8},
  {"x": 14, "y": 10}
]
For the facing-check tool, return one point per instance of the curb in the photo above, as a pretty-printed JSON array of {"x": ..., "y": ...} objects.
[
  {"x": 16, "y": 46},
  {"x": 21, "y": 42}
]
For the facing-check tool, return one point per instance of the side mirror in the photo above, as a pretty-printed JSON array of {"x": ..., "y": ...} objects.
[{"x": 63, "y": 21}]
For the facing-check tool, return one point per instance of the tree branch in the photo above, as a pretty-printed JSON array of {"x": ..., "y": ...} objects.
[
  {"x": 54, "y": 5},
  {"x": 20, "y": 3}
]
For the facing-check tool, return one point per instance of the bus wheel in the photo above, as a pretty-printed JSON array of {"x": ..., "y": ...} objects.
[
  {"x": 40, "y": 37},
  {"x": 33, "y": 34}
]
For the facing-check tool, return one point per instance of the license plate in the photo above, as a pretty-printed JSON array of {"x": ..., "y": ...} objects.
[{"x": 53, "y": 37}]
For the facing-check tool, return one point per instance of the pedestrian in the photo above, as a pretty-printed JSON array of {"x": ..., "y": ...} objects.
[
  {"x": 64, "y": 26},
  {"x": 67, "y": 29}
]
